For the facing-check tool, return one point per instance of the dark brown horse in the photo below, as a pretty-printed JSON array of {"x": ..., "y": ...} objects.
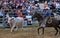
[{"x": 51, "y": 22}]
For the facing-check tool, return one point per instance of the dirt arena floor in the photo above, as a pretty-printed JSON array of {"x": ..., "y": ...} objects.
[{"x": 28, "y": 33}]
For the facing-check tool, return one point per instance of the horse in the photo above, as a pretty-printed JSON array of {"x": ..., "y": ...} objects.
[
  {"x": 51, "y": 22},
  {"x": 15, "y": 22}
]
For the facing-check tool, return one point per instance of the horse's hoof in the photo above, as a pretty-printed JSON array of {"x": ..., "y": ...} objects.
[
  {"x": 55, "y": 34},
  {"x": 10, "y": 30},
  {"x": 59, "y": 33},
  {"x": 42, "y": 33},
  {"x": 38, "y": 34}
]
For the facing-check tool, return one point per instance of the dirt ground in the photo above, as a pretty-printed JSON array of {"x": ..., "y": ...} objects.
[{"x": 28, "y": 33}]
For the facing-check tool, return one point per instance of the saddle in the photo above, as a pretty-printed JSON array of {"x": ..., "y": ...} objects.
[{"x": 49, "y": 21}]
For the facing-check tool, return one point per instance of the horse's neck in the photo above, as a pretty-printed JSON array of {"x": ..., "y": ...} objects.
[{"x": 39, "y": 18}]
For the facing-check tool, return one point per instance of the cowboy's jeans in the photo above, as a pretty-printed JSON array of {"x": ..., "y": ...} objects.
[{"x": 43, "y": 24}]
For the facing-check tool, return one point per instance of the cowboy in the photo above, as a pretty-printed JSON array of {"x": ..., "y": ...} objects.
[{"x": 47, "y": 15}]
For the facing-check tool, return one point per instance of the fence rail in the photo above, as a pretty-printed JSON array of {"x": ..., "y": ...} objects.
[{"x": 1, "y": 19}]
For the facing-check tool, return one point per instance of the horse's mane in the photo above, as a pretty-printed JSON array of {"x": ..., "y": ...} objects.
[{"x": 39, "y": 17}]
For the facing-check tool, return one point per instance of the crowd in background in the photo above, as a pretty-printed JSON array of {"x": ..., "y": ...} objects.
[
  {"x": 16, "y": 7},
  {"x": 24, "y": 7}
]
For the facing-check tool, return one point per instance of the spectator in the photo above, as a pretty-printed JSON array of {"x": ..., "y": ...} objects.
[
  {"x": 15, "y": 13},
  {"x": 19, "y": 6},
  {"x": 10, "y": 2},
  {"x": 19, "y": 13},
  {"x": 1, "y": 14},
  {"x": 0, "y": 6},
  {"x": 24, "y": 3},
  {"x": 5, "y": 2},
  {"x": 28, "y": 16},
  {"x": 24, "y": 12},
  {"x": 36, "y": 1},
  {"x": 52, "y": 6},
  {"x": 57, "y": 5},
  {"x": 13, "y": 6},
  {"x": 50, "y": 3},
  {"x": 10, "y": 13},
  {"x": 7, "y": 15},
  {"x": 29, "y": 20}
]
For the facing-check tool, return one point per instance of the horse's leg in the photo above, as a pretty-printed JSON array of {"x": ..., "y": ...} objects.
[
  {"x": 16, "y": 27},
  {"x": 12, "y": 27},
  {"x": 43, "y": 30},
  {"x": 22, "y": 24},
  {"x": 41, "y": 27},
  {"x": 56, "y": 30},
  {"x": 38, "y": 30},
  {"x": 59, "y": 28}
]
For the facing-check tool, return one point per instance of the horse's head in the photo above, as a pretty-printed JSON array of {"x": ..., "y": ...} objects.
[
  {"x": 37, "y": 15},
  {"x": 10, "y": 19},
  {"x": 34, "y": 15}
]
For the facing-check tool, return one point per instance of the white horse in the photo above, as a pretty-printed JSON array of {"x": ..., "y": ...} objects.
[{"x": 15, "y": 22}]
